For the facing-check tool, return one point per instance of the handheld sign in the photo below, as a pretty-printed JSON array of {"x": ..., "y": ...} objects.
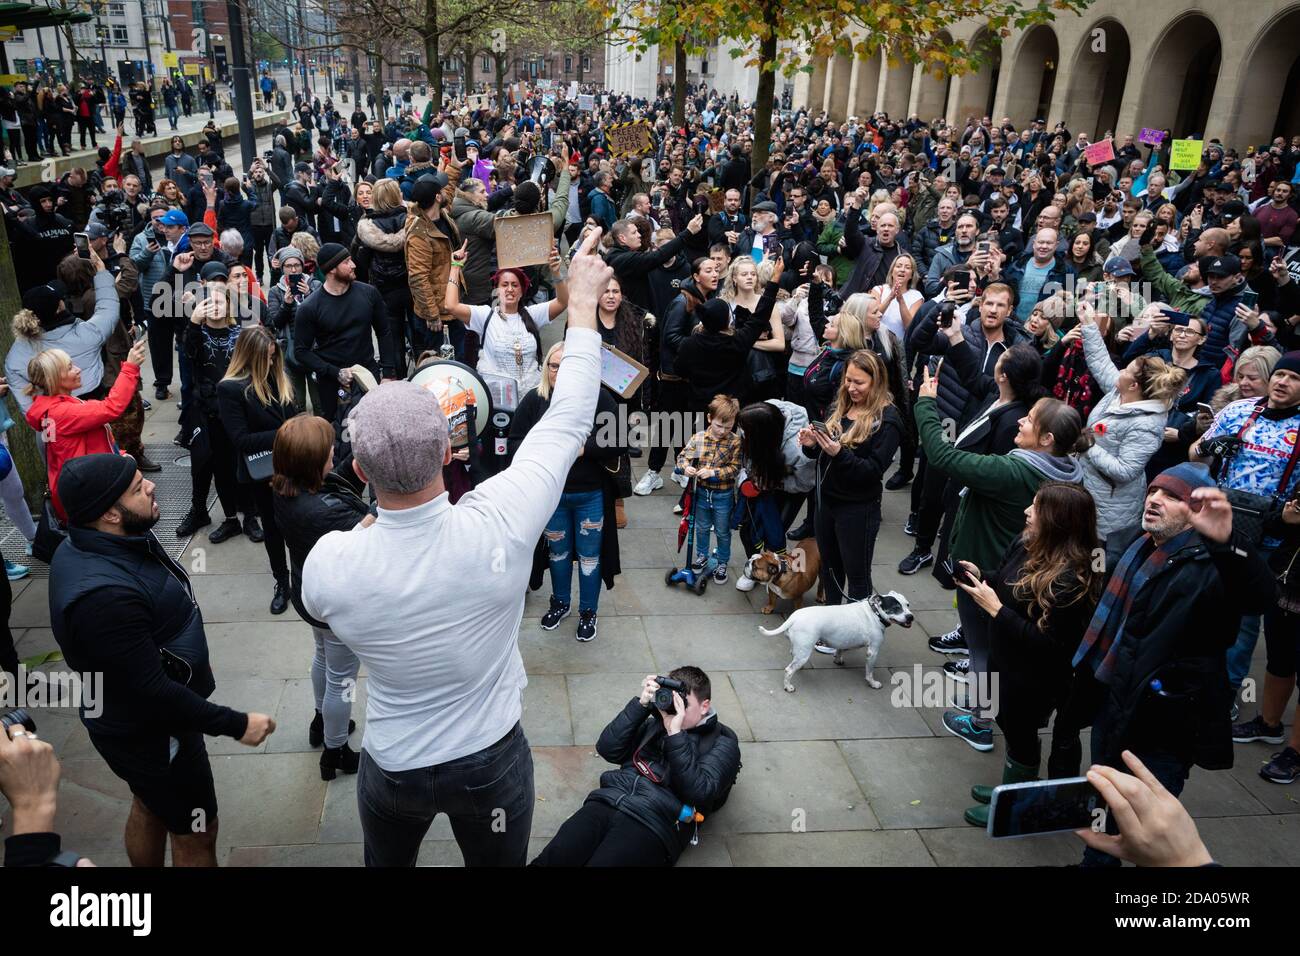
[
  {"x": 524, "y": 240},
  {"x": 630, "y": 139},
  {"x": 1098, "y": 153},
  {"x": 621, "y": 373},
  {"x": 1151, "y": 137},
  {"x": 1186, "y": 153},
  {"x": 586, "y": 102}
]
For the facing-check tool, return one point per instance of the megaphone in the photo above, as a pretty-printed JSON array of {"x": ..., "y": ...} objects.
[
  {"x": 541, "y": 170},
  {"x": 464, "y": 396}
]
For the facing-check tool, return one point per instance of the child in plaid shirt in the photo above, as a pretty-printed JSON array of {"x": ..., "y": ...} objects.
[{"x": 712, "y": 458}]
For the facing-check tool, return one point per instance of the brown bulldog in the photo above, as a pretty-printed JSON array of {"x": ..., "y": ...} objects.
[{"x": 788, "y": 575}]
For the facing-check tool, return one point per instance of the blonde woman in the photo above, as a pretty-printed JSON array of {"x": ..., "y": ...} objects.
[
  {"x": 866, "y": 308},
  {"x": 898, "y": 295},
  {"x": 255, "y": 399},
  {"x": 309, "y": 246},
  {"x": 72, "y": 427},
  {"x": 1044, "y": 324},
  {"x": 1128, "y": 427},
  {"x": 743, "y": 287},
  {"x": 852, "y": 450}
]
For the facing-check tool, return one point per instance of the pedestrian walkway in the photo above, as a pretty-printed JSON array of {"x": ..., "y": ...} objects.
[
  {"x": 189, "y": 127},
  {"x": 834, "y": 774}
]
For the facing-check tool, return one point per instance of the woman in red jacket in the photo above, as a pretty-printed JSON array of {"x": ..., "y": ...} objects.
[{"x": 69, "y": 426}]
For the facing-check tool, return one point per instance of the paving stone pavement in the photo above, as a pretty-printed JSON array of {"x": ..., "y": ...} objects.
[{"x": 834, "y": 774}]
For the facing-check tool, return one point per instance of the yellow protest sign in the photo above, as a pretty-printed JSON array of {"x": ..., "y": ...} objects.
[
  {"x": 191, "y": 69},
  {"x": 630, "y": 139},
  {"x": 1185, "y": 153},
  {"x": 171, "y": 60},
  {"x": 9, "y": 79}
]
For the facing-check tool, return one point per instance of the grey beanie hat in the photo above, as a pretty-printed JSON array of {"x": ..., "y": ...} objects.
[{"x": 399, "y": 437}]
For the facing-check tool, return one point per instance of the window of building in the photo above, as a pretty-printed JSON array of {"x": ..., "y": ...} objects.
[
  {"x": 487, "y": 64},
  {"x": 704, "y": 66},
  {"x": 116, "y": 9},
  {"x": 119, "y": 34},
  {"x": 586, "y": 64},
  {"x": 568, "y": 64}
]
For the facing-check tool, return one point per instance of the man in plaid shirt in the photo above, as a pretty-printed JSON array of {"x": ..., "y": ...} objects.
[{"x": 712, "y": 458}]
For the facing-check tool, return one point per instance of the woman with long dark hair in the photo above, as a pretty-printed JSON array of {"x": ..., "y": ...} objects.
[
  {"x": 778, "y": 476},
  {"x": 313, "y": 498},
  {"x": 1039, "y": 603},
  {"x": 256, "y": 398},
  {"x": 622, "y": 325},
  {"x": 991, "y": 515},
  {"x": 852, "y": 453}
]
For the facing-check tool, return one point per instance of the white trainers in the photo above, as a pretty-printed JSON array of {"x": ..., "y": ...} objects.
[
  {"x": 648, "y": 483},
  {"x": 744, "y": 583},
  {"x": 680, "y": 478}
]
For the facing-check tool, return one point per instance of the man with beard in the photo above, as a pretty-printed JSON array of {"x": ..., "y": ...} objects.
[{"x": 121, "y": 607}]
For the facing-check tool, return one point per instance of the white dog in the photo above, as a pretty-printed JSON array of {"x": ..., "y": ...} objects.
[{"x": 843, "y": 627}]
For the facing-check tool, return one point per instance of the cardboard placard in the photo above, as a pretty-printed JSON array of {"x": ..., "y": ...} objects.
[
  {"x": 477, "y": 101},
  {"x": 586, "y": 102},
  {"x": 1151, "y": 137},
  {"x": 524, "y": 240},
  {"x": 1186, "y": 153},
  {"x": 1097, "y": 153},
  {"x": 573, "y": 89},
  {"x": 621, "y": 373},
  {"x": 630, "y": 139}
]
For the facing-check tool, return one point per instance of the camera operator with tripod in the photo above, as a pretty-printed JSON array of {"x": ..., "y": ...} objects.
[{"x": 677, "y": 764}]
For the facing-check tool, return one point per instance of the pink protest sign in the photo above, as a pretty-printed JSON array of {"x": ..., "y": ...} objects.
[
  {"x": 1102, "y": 152},
  {"x": 1151, "y": 137}
]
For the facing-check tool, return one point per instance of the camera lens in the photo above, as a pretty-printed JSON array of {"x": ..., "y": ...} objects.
[{"x": 17, "y": 718}]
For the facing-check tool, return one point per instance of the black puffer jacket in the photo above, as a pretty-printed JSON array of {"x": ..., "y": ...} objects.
[
  {"x": 955, "y": 400},
  {"x": 696, "y": 768},
  {"x": 1181, "y": 623},
  {"x": 306, "y": 518}
]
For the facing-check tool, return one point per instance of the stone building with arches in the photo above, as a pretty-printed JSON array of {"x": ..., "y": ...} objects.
[{"x": 1228, "y": 71}]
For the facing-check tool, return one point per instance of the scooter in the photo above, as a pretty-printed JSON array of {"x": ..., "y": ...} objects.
[{"x": 694, "y": 580}]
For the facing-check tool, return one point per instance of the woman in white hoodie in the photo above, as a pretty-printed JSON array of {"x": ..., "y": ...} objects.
[{"x": 1127, "y": 427}]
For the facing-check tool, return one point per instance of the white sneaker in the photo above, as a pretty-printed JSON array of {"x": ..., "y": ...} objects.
[
  {"x": 677, "y": 508},
  {"x": 744, "y": 583},
  {"x": 648, "y": 483},
  {"x": 680, "y": 478}
]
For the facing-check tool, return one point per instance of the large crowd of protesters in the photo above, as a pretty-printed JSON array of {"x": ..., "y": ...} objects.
[{"x": 1083, "y": 379}]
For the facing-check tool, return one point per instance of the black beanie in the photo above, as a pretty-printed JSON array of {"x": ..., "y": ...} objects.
[
  {"x": 90, "y": 485},
  {"x": 330, "y": 255}
]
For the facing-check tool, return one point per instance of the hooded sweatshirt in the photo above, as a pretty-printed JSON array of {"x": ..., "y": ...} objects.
[{"x": 998, "y": 489}]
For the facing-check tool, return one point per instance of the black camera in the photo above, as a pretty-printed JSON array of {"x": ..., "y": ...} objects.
[
  {"x": 20, "y": 718},
  {"x": 664, "y": 695},
  {"x": 116, "y": 215},
  {"x": 946, "y": 314}
]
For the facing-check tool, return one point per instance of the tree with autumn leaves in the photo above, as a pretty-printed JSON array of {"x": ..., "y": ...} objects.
[{"x": 784, "y": 37}]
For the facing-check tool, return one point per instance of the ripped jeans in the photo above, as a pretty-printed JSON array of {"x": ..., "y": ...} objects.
[{"x": 580, "y": 518}]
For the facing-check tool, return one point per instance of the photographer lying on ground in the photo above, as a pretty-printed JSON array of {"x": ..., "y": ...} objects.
[{"x": 677, "y": 764}]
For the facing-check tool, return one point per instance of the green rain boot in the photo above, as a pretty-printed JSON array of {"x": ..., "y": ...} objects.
[{"x": 1012, "y": 772}]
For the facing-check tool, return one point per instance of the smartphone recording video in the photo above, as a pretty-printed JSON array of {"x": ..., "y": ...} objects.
[{"x": 1044, "y": 806}]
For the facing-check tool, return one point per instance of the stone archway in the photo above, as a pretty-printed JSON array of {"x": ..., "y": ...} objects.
[
  {"x": 1097, "y": 80},
  {"x": 1263, "y": 110},
  {"x": 930, "y": 90},
  {"x": 1033, "y": 76},
  {"x": 1182, "y": 72},
  {"x": 978, "y": 90}
]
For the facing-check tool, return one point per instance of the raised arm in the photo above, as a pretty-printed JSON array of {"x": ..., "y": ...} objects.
[
  {"x": 525, "y": 495},
  {"x": 1095, "y": 354}
]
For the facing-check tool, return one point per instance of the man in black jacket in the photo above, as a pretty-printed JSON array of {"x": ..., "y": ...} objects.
[
  {"x": 631, "y": 265},
  {"x": 120, "y": 607},
  {"x": 676, "y": 767},
  {"x": 1156, "y": 644}
]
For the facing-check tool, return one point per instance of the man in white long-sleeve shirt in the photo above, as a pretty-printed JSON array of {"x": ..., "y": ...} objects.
[{"x": 430, "y": 596}]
